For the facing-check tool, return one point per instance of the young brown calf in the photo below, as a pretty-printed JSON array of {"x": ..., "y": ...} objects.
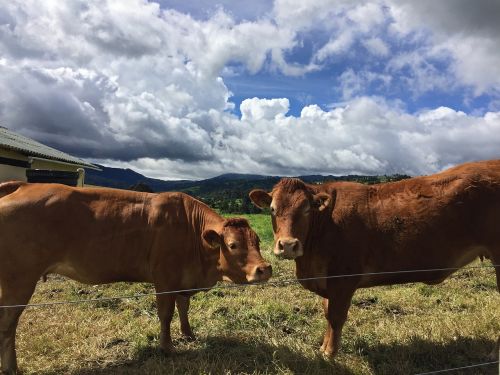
[{"x": 99, "y": 236}]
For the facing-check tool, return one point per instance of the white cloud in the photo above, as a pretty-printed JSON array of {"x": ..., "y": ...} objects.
[
  {"x": 127, "y": 75},
  {"x": 298, "y": 14},
  {"x": 131, "y": 84},
  {"x": 419, "y": 71},
  {"x": 351, "y": 84},
  {"x": 376, "y": 46},
  {"x": 365, "y": 135},
  {"x": 335, "y": 46},
  {"x": 367, "y": 16},
  {"x": 470, "y": 32},
  {"x": 354, "y": 84},
  {"x": 477, "y": 62},
  {"x": 256, "y": 109}
]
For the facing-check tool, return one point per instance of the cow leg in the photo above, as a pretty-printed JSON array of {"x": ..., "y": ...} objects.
[
  {"x": 166, "y": 307},
  {"x": 182, "y": 303},
  {"x": 11, "y": 294},
  {"x": 495, "y": 259},
  {"x": 495, "y": 354},
  {"x": 338, "y": 307},
  {"x": 328, "y": 332}
]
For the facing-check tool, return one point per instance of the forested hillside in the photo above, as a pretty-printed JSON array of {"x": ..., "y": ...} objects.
[{"x": 227, "y": 193}]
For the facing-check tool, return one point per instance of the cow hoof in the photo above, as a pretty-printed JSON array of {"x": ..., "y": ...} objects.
[{"x": 328, "y": 353}]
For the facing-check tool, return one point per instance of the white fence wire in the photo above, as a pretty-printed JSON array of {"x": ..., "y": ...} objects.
[
  {"x": 233, "y": 286},
  {"x": 459, "y": 368}
]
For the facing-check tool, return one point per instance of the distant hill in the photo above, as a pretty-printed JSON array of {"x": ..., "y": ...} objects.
[
  {"x": 125, "y": 178},
  {"x": 227, "y": 192}
]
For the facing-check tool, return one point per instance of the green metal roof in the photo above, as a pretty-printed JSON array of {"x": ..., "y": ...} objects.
[{"x": 29, "y": 147}]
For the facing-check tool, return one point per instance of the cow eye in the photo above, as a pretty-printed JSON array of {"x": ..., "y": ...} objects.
[
  {"x": 232, "y": 246},
  {"x": 273, "y": 211}
]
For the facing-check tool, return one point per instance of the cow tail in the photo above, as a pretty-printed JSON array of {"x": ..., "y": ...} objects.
[{"x": 7, "y": 188}]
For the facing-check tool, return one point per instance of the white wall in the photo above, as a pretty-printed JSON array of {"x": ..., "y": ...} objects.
[{"x": 9, "y": 173}]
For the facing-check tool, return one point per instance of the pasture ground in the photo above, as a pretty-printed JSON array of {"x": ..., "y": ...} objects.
[{"x": 401, "y": 329}]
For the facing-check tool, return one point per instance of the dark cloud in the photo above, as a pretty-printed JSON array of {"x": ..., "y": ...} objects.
[
  {"x": 480, "y": 17},
  {"x": 66, "y": 110}
]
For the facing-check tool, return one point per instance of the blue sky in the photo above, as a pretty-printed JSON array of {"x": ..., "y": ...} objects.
[
  {"x": 193, "y": 89},
  {"x": 322, "y": 87}
]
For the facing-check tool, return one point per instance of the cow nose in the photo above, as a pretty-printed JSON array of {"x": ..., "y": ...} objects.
[
  {"x": 262, "y": 272},
  {"x": 281, "y": 247},
  {"x": 288, "y": 248},
  {"x": 287, "y": 245}
]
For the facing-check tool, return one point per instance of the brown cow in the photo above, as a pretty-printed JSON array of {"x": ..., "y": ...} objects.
[
  {"x": 98, "y": 236},
  {"x": 441, "y": 221}
]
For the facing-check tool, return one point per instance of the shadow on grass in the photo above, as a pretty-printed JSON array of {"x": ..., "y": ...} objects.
[
  {"x": 425, "y": 356},
  {"x": 231, "y": 355},
  {"x": 220, "y": 356}
]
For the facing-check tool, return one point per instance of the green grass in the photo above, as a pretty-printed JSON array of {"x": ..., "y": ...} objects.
[{"x": 264, "y": 329}]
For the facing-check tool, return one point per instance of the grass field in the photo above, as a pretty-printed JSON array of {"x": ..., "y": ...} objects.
[{"x": 265, "y": 330}]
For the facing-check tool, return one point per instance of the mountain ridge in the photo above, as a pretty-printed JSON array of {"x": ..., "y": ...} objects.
[
  {"x": 124, "y": 178},
  {"x": 227, "y": 192}
]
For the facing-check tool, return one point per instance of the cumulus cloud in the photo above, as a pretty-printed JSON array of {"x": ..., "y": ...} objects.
[
  {"x": 365, "y": 135},
  {"x": 263, "y": 109},
  {"x": 129, "y": 83},
  {"x": 468, "y": 32},
  {"x": 127, "y": 75}
]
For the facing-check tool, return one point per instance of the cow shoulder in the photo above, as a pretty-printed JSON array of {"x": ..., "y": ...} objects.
[
  {"x": 168, "y": 208},
  {"x": 349, "y": 198}
]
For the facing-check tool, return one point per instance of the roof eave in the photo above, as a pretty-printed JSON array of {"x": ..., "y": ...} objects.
[{"x": 83, "y": 165}]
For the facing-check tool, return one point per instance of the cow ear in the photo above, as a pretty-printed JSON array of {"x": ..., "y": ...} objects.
[
  {"x": 260, "y": 198},
  {"x": 212, "y": 238},
  {"x": 321, "y": 201}
]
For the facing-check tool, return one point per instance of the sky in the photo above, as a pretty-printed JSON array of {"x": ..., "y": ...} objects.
[{"x": 184, "y": 89}]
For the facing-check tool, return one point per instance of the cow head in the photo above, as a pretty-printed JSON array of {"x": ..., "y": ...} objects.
[
  {"x": 240, "y": 260},
  {"x": 292, "y": 204}
]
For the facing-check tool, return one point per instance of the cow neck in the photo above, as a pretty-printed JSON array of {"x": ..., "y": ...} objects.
[
  {"x": 317, "y": 238},
  {"x": 316, "y": 232},
  {"x": 203, "y": 218},
  {"x": 318, "y": 225}
]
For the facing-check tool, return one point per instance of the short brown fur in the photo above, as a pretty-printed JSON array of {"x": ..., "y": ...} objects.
[{"x": 101, "y": 236}]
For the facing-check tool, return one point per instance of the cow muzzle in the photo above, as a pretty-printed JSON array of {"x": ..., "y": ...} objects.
[
  {"x": 288, "y": 248},
  {"x": 260, "y": 273}
]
